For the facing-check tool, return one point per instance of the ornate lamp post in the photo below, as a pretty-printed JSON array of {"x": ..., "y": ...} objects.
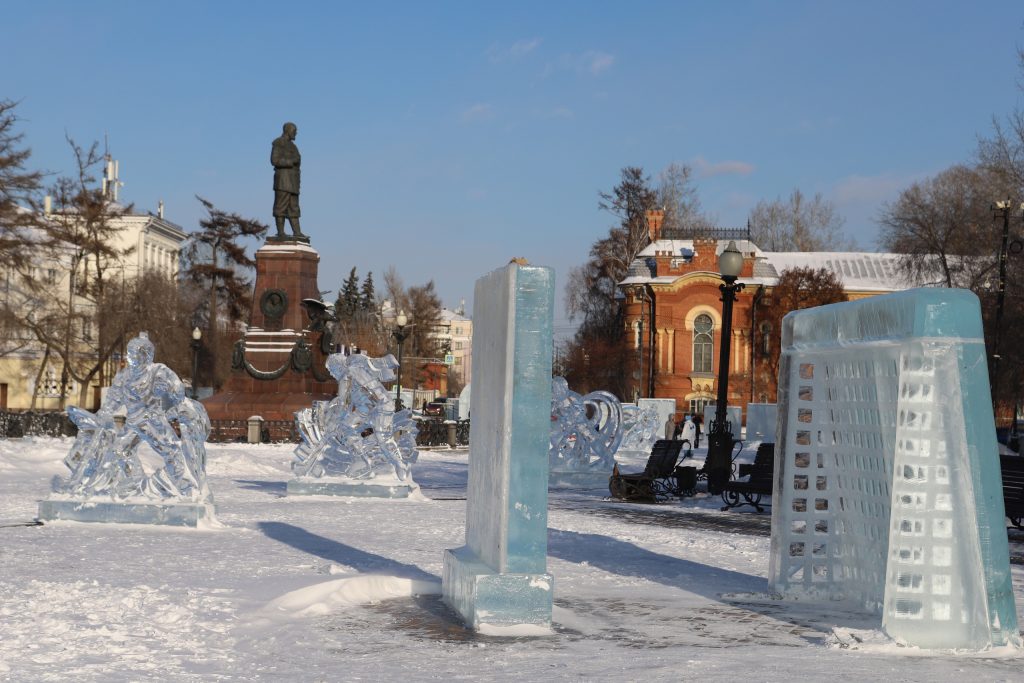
[
  {"x": 720, "y": 442},
  {"x": 400, "y": 333},
  {"x": 1002, "y": 210},
  {"x": 197, "y": 343}
]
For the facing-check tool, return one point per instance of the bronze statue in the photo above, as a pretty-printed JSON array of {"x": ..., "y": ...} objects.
[{"x": 285, "y": 158}]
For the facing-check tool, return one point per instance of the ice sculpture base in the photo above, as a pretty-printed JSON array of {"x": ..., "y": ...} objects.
[
  {"x": 486, "y": 599},
  {"x": 354, "y": 488},
  {"x": 578, "y": 480},
  {"x": 162, "y": 513}
]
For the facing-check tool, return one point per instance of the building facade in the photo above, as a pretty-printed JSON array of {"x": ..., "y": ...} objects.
[
  {"x": 673, "y": 313},
  {"x": 31, "y": 378}
]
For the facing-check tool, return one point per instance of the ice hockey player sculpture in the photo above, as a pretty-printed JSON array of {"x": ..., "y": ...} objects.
[
  {"x": 116, "y": 465},
  {"x": 356, "y": 444},
  {"x": 640, "y": 429},
  {"x": 585, "y": 434}
]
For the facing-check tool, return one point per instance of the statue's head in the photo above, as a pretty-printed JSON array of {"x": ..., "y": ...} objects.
[
  {"x": 140, "y": 351},
  {"x": 290, "y": 130}
]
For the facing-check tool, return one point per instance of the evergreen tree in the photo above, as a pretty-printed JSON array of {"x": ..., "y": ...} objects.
[
  {"x": 367, "y": 296},
  {"x": 217, "y": 262},
  {"x": 19, "y": 190},
  {"x": 348, "y": 297},
  {"x": 594, "y": 357}
]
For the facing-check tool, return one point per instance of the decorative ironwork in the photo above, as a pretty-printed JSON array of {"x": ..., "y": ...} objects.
[{"x": 301, "y": 356}]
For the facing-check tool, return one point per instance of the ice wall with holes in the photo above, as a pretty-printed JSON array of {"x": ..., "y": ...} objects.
[
  {"x": 498, "y": 581},
  {"x": 887, "y": 482}
]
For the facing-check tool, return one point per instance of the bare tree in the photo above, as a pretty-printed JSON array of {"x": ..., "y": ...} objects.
[
  {"x": 678, "y": 197},
  {"x": 798, "y": 224},
  {"x": 80, "y": 240},
  {"x": 942, "y": 228},
  {"x": 796, "y": 289}
]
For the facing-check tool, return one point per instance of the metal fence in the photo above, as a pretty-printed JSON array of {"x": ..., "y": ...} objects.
[
  {"x": 14, "y": 425},
  {"x": 237, "y": 431},
  {"x": 433, "y": 433}
]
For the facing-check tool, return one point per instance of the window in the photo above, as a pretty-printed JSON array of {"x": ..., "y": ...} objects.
[
  {"x": 697, "y": 405},
  {"x": 703, "y": 343},
  {"x": 458, "y": 345}
]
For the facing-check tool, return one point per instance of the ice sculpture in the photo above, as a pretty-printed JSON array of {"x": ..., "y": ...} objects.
[
  {"x": 356, "y": 444},
  {"x": 146, "y": 472},
  {"x": 640, "y": 429},
  {"x": 888, "y": 488},
  {"x": 761, "y": 421},
  {"x": 585, "y": 434},
  {"x": 498, "y": 581}
]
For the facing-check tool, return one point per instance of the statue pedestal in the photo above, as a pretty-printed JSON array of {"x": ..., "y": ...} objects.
[{"x": 278, "y": 366}]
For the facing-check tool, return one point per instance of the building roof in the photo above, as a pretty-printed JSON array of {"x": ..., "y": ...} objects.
[{"x": 858, "y": 271}]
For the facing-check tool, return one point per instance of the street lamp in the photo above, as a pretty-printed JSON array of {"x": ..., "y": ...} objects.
[
  {"x": 197, "y": 342},
  {"x": 720, "y": 442},
  {"x": 1002, "y": 210},
  {"x": 400, "y": 333}
]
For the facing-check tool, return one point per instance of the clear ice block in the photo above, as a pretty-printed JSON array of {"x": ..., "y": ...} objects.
[
  {"x": 887, "y": 482},
  {"x": 499, "y": 578}
]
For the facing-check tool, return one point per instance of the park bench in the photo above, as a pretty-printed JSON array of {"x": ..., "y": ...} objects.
[
  {"x": 656, "y": 482},
  {"x": 761, "y": 475},
  {"x": 1012, "y": 467}
]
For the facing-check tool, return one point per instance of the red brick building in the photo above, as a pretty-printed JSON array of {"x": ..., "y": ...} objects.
[{"x": 673, "y": 313}]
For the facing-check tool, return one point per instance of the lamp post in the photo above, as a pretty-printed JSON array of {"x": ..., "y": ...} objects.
[
  {"x": 400, "y": 333},
  {"x": 197, "y": 342},
  {"x": 719, "y": 460},
  {"x": 1002, "y": 210}
]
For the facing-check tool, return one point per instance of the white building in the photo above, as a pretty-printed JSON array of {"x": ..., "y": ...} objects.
[{"x": 25, "y": 369}]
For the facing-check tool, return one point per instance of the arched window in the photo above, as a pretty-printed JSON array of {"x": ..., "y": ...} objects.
[{"x": 703, "y": 343}]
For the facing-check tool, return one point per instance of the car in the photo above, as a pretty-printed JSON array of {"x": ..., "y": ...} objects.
[{"x": 434, "y": 409}]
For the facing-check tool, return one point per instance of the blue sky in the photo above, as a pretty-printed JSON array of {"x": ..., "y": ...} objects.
[{"x": 445, "y": 138}]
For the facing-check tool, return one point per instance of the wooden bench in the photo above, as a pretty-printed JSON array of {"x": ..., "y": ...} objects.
[
  {"x": 1012, "y": 467},
  {"x": 761, "y": 475},
  {"x": 657, "y": 481}
]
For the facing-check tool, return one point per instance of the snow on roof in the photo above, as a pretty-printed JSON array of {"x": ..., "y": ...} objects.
[
  {"x": 452, "y": 316},
  {"x": 858, "y": 271},
  {"x": 677, "y": 247}
]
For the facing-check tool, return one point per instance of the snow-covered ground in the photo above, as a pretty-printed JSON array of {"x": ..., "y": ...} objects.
[{"x": 346, "y": 589}]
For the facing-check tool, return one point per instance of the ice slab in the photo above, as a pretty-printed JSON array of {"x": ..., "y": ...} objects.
[
  {"x": 887, "y": 479},
  {"x": 497, "y": 576},
  {"x": 360, "y": 489},
  {"x": 486, "y": 598},
  {"x": 761, "y": 422},
  {"x": 169, "y": 514}
]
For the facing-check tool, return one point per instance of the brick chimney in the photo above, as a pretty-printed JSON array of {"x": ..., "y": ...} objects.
[{"x": 654, "y": 220}]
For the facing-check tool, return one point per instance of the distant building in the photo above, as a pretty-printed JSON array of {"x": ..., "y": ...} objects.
[
  {"x": 26, "y": 371},
  {"x": 457, "y": 330},
  {"x": 673, "y": 313}
]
